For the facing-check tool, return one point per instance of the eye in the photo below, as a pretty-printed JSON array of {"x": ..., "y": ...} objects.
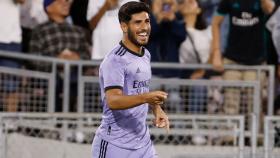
[{"x": 137, "y": 21}]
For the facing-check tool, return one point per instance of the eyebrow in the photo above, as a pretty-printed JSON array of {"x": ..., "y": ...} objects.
[{"x": 139, "y": 20}]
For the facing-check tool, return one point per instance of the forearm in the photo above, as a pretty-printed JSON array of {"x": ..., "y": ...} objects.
[
  {"x": 267, "y": 6},
  {"x": 116, "y": 100},
  {"x": 216, "y": 34},
  {"x": 122, "y": 102},
  {"x": 155, "y": 109},
  {"x": 96, "y": 18},
  {"x": 19, "y": 1}
]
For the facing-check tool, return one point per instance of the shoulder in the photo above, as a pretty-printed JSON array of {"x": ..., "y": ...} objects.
[
  {"x": 41, "y": 28},
  {"x": 78, "y": 29},
  {"x": 147, "y": 53},
  {"x": 116, "y": 56}
]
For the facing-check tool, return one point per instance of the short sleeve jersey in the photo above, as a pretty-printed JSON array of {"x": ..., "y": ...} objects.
[
  {"x": 131, "y": 72},
  {"x": 246, "y": 41}
]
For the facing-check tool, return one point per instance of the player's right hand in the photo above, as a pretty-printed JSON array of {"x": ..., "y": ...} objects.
[{"x": 155, "y": 97}]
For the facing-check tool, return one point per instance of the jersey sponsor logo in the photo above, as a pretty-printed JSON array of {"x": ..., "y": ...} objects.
[
  {"x": 140, "y": 84},
  {"x": 247, "y": 19}
]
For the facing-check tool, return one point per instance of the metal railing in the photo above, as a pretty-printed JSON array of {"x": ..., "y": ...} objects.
[
  {"x": 272, "y": 137},
  {"x": 206, "y": 97},
  {"x": 49, "y": 135},
  {"x": 82, "y": 78}
]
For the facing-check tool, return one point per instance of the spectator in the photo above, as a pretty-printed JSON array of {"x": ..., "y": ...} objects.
[
  {"x": 195, "y": 49},
  {"x": 168, "y": 32},
  {"x": 103, "y": 18},
  {"x": 10, "y": 40},
  {"x": 57, "y": 38},
  {"x": 31, "y": 14},
  {"x": 245, "y": 43},
  {"x": 273, "y": 26}
]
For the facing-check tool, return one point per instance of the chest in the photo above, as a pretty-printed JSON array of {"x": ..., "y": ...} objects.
[
  {"x": 59, "y": 38},
  {"x": 138, "y": 70},
  {"x": 245, "y": 8}
]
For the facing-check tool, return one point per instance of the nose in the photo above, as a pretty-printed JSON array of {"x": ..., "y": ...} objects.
[{"x": 145, "y": 26}]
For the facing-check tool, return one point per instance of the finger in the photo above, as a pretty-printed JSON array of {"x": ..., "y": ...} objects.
[
  {"x": 163, "y": 93},
  {"x": 162, "y": 124},
  {"x": 156, "y": 122},
  {"x": 167, "y": 126},
  {"x": 159, "y": 102},
  {"x": 162, "y": 96}
]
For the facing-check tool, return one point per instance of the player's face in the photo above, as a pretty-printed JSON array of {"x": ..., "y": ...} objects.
[{"x": 139, "y": 29}]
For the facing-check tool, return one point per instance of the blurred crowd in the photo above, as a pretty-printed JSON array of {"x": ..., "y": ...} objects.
[{"x": 218, "y": 32}]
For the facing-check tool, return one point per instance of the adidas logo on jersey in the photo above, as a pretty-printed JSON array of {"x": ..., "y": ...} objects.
[{"x": 138, "y": 70}]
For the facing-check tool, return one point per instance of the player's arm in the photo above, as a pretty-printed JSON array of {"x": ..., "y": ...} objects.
[
  {"x": 161, "y": 120},
  {"x": 267, "y": 6},
  {"x": 216, "y": 56},
  {"x": 118, "y": 101}
]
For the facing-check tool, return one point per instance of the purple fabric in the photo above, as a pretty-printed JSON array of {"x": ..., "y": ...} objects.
[
  {"x": 125, "y": 70},
  {"x": 102, "y": 149}
]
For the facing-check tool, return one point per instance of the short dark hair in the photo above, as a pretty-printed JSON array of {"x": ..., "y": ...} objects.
[
  {"x": 130, "y": 8},
  {"x": 201, "y": 23}
]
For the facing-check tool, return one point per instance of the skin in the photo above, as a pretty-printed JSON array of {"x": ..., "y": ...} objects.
[
  {"x": 190, "y": 10},
  {"x": 19, "y": 1},
  {"x": 162, "y": 15},
  {"x": 108, "y": 5},
  {"x": 135, "y": 35}
]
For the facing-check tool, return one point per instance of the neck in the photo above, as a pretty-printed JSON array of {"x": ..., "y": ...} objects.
[
  {"x": 190, "y": 20},
  {"x": 130, "y": 45},
  {"x": 57, "y": 19}
]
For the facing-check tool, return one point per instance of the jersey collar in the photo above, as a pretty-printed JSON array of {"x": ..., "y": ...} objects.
[{"x": 132, "y": 52}]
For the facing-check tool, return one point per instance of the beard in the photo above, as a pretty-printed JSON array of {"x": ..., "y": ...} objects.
[{"x": 133, "y": 39}]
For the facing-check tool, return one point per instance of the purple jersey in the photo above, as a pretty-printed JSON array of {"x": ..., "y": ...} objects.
[{"x": 131, "y": 72}]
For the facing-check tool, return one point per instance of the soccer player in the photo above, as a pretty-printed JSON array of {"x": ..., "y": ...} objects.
[{"x": 125, "y": 75}]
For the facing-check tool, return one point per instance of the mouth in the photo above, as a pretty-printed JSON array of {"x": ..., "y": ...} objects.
[{"x": 143, "y": 36}]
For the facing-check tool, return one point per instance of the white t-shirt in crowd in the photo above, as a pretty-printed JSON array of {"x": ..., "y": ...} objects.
[
  {"x": 107, "y": 33},
  {"x": 32, "y": 13},
  {"x": 202, "y": 41},
  {"x": 10, "y": 31}
]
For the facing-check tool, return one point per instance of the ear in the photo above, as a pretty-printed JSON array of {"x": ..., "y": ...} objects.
[{"x": 124, "y": 27}]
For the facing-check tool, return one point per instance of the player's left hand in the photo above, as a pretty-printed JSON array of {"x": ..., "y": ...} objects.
[{"x": 161, "y": 119}]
